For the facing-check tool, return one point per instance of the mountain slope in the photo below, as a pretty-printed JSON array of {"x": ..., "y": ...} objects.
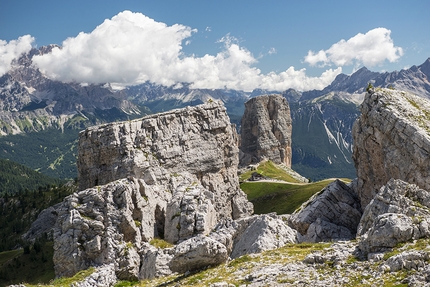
[
  {"x": 31, "y": 102},
  {"x": 321, "y": 138},
  {"x": 15, "y": 178}
]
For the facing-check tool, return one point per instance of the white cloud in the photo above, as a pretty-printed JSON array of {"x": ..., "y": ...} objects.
[
  {"x": 272, "y": 51},
  {"x": 370, "y": 49},
  {"x": 297, "y": 79},
  {"x": 12, "y": 50},
  {"x": 131, "y": 48}
]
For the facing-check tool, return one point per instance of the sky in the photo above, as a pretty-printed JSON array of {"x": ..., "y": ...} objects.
[{"x": 237, "y": 44}]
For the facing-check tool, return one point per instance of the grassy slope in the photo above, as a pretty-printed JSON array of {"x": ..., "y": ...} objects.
[
  {"x": 271, "y": 170},
  {"x": 34, "y": 267},
  {"x": 282, "y": 198},
  {"x": 279, "y": 197}
]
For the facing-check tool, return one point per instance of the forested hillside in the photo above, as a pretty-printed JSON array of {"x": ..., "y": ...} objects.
[{"x": 16, "y": 178}]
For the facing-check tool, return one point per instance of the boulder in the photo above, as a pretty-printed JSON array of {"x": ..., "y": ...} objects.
[
  {"x": 103, "y": 225},
  {"x": 387, "y": 231},
  {"x": 391, "y": 140},
  {"x": 103, "y": 276},
  {"x": 254, "y": 234},
  {"x": 406, "y": 260},
  {"x": 398, "y": 197},
  {"x": 266, "y": 131},
  {"x": 155, "y": 261},
  {"x": 263, "y": 232},
  {"x": 44, "y": 224},
  {"x": 196, "y": 253},
  {"x": 332, "y": 214},
  {"x": 398, "y": 213}
]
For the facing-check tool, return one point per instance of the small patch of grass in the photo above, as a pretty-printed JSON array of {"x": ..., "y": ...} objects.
[
  {"x": 68, "y": 281},
  {"x": 240, "y": 260},
  {"x": 160, "y": 243},
  {"x": 126, "y": 283}
]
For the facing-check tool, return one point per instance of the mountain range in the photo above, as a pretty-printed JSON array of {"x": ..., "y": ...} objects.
[{"x": 41, "y": 118}]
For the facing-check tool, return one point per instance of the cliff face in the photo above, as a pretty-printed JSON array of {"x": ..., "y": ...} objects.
[
  {"x": 266, "y": 130},
  {"x": 391, "y": 140},
  {"x": 194, "y": 143}
]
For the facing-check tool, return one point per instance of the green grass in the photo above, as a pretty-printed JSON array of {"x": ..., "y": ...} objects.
[
  {"x": 282, "y": 198},
  {"x": 68, "y": 281},
  {"x": 271, "y": 170},
  {"x": 160, "y": 243},
  {"x": 34, "y": 267},
  {"x": 9, "y": 255}
]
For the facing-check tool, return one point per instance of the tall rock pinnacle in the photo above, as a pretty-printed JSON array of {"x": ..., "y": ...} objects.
[{"x": 266, "y": 130}]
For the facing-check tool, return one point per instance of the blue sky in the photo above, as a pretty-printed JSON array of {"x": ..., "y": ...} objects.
[{"x": 234, "y": 44}]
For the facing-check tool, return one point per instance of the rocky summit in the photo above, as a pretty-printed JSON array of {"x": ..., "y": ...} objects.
[
  {"x": 391, "y": 140},
  {"x": 170, "y": 176},
  {"x": 266, "y": 130}
]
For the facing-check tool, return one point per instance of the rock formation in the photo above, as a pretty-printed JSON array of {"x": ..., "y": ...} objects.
[
  {"x": 266, "y": 130},
  {"x": 398, "y": 213},
  {"x": 171, "y": 176},
  {"x": 391, "y": 140},
  {"x": 164, "y": 149},
  {"x": 332, "y": 214}
]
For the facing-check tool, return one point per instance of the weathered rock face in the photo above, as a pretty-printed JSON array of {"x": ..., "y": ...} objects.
[
  {"x": 172, "y": 176},
  {"x": 266, "y": 130},
  {"x": 332, "y": 214},
  {"x": 195, "y": 143},
  {"x": 398, "y": 213},
  {"x": 106, "y": 225},
  {"x": 254, "y": 234},
  {"x": 391, "y": 140}
]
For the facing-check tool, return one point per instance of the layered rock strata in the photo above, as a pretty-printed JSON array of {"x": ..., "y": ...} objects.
[
  {"x": 266, "y": 130},
  {"x": 332, "y": 214},
  {"x": 391, "y": 140},
  {"x": 195, "y": 143}
]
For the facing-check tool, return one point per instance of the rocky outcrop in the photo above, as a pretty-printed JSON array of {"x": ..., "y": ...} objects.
[
  {"x": 391, "y": 140},
  {"x": 254, "y": 234},
  {"x": 229, "y": 239},
  {"x": 193, "y": 143},
  {"x": 44, "y": 224},
  {"x": 102, "y": 276},
  {"x": 332, "y": 214},
  {"x": 266, "y": 130},
  {"x": 105, "y": 225},
  {"x": 171, "y": 176},
  {"x": 398, "y": 213}
]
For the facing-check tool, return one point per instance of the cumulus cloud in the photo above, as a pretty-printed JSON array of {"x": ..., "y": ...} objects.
[
  {"x": 12, "y": 50},
  {"x": 131, "y": 48},
  {"x": 370, "y": 49}
]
